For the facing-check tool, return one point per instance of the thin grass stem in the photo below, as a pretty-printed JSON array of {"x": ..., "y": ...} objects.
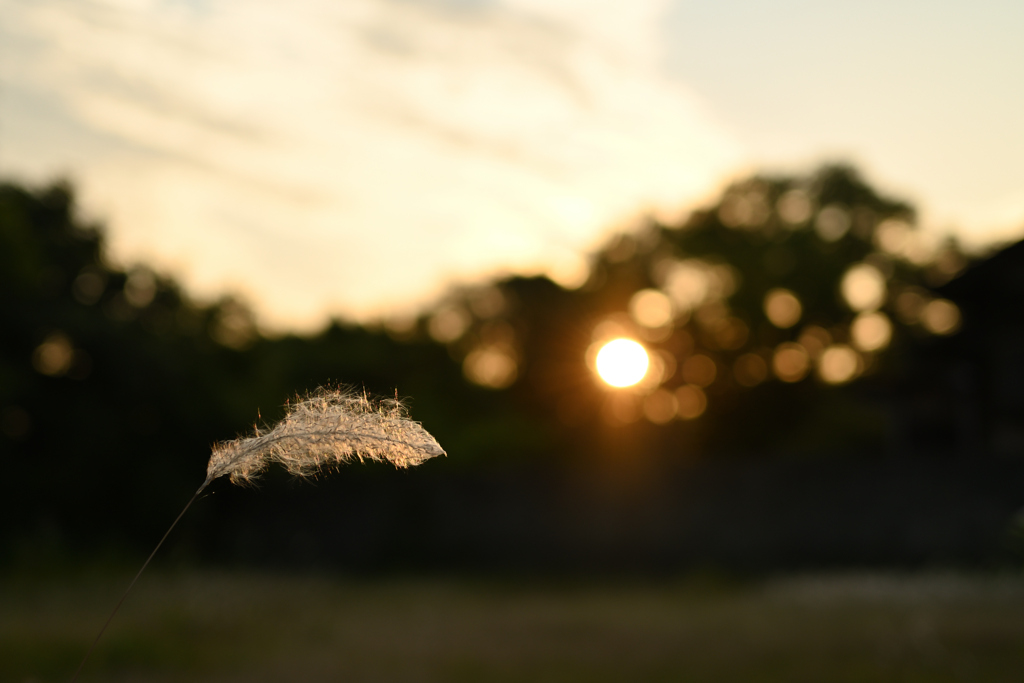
[
  {"x": 325, "y": 428},
  {"x": 132, "y": 584}
]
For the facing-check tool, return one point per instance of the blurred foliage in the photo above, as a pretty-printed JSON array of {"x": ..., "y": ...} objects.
[
  {"x": 697, "y": 295},
  {"x": 114, "y": 383}
]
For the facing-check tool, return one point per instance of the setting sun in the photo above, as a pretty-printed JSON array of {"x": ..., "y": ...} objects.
[{"x": 622, "y": 362}]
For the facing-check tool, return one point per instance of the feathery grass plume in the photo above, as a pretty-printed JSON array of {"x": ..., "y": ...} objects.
[{"x": 325, "y": 429}]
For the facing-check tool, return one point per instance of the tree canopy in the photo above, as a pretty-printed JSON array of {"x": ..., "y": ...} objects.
[{"x": 782, "y": 319}]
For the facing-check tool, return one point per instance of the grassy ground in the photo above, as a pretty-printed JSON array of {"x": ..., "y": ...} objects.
[{"x": 248, "y": 627}]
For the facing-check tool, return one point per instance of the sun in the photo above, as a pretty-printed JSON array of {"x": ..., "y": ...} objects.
[{"x": 622, "y": 362}]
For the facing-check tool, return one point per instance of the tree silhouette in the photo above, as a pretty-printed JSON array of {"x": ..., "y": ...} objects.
[
  {"x": 115, "y": 383},
  {"x": 774, "y": 318}
]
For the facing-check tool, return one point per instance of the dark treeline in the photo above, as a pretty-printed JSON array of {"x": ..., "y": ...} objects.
[{"x": 826, "y": 387}]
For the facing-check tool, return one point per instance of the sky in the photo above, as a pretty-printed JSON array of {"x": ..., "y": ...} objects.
[{"x": 356, "y": 159}]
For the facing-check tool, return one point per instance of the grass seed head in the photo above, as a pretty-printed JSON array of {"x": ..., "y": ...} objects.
[{"x": 327, "y": 428}]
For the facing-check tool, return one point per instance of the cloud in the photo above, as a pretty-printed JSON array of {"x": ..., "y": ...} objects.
[{"x": 325, "y": 157}]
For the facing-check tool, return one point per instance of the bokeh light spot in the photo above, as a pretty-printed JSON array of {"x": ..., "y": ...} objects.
[
  {"x": 791, "y": 362},
  {"x": 782, "y": 308},
  {"x": 794, "y": 207},
  {"x": 487, "y": 302},
  {"x": 731, "y": 333},
  {"x": 651, "y": 308},
  {"x": 622, "y": 362},
  {"x": 744, "y": 210},
  {"x": 491, "y": 367},
  {"x": 832, "y": 223},
  {"x": 687, "y": 282},
  {"x": 657, "y": 370},
  {"x": 140, "y": 288},
  {"x": 88, "y": 286},
  {"x": 839, "y": 364},
  {"x": 449, "y": 324},
  {"x": 948, "y": 263},
  {"x": 699, "y": 370},
  {"x": 814, "y": 339},
  {"x": 661, "y": 406},
  {"x": 568, "y": 270},
  {"x": 667, "y": 362},
  {"x": 53, "y": 357},
  {"x": 863, "y": 287},
  {"x": 234, "y": 326},
  {"x": 940, "y": 317},
  {"x": 892, "y": 236},
  {"x": 750, "y": 370},
  {"x": 871, "y": 331},
  {"x": 909, "y": 305},
  {"x": 691, "y": 402}
]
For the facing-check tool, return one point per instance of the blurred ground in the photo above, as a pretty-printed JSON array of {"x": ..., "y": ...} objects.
[{"x": 206, "y": 626}]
